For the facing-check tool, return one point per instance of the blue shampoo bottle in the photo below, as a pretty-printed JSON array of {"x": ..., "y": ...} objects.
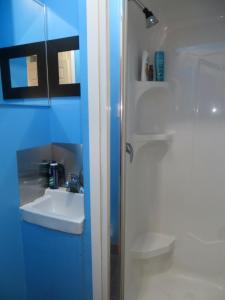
[{"x": 159, "y": 66}]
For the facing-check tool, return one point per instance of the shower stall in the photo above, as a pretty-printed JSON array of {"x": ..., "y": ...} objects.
[{"x": 172, "y": 204}]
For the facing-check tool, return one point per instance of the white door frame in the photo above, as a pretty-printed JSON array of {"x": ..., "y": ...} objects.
[{"x": 99, "y": 141}]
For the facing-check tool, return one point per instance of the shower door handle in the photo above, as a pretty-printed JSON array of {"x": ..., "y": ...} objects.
[{"x": 130, "y": 151}]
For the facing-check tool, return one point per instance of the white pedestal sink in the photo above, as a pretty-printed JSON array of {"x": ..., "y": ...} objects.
[{"x": 58, "y": 210}]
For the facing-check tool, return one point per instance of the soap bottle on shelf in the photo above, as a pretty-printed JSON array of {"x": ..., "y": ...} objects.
[
  {"x": 150, "y": 73},
  {"x": 147, "y": 71},
  {"x": 159, "y": 65},
  {"x": 145, "y": 66}
]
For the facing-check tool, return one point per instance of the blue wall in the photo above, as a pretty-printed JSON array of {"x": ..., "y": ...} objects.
[
  {"x": 23, "y": 22},
  {"x": 53, "y": 263},
  {"x": 36, "y": 263},
  {"x": 115, "y": 17},
  {"x": 19, "y": 128}
]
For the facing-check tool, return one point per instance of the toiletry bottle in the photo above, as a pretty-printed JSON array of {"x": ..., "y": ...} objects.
[
  {"x": 150, "y": 73},
  {"x": 53, "y": 175},
  {"x": 81, "y": 182},
  {"x": 44, "y": 172},
  {"x": 81, "y": 177},
  {"x": 159, "y": 65},
  {"x": 144, "y": 67},
  {"x": 61, "y": 174}
]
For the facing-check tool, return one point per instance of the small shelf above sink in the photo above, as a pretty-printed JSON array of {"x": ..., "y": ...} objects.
[
  {"x": 57, "y": 210},
  {"x": 150, "y": 244}
]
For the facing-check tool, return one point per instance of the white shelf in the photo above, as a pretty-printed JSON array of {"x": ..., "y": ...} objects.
[
  {"x": 139, "y": 140},
  {"x": 152, "y": 244},
  {"x": 143, "y": 86}
]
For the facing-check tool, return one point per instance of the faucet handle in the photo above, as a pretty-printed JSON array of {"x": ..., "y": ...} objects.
[
  {"x": 73, "y": 183},
  {"x": 130, "y": 151}
]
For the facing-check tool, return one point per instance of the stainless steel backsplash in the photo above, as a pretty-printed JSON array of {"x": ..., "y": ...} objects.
[{"x": 31, "y": 183}]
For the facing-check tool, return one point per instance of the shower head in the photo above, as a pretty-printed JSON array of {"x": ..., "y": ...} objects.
[{"x": 151, "y": 19}]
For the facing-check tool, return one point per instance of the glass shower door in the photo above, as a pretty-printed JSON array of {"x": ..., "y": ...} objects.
[{"x": 173, "y": 216}]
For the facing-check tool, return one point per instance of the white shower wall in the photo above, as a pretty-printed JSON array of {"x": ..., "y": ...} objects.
[{"x": 179, "y": 188}]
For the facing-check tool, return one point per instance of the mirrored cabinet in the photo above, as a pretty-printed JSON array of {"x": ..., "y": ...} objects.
[
  {"x": 34, "y": 67},
  {"x": 41, "y": 69}
]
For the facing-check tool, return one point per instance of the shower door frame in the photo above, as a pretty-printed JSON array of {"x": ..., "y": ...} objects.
[
  {"x": 123, "y": 100},
  {"x": 98, "y": 54},
  {"x": 99, "y": 143}
]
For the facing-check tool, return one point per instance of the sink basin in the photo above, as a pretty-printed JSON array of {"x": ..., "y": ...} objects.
[{"x": 58, "y": 210}]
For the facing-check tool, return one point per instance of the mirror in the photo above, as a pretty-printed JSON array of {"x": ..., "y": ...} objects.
[
  {"x": 23, "y": 71},
  {"x": 66, "y": 61},
  {"x": 64, "y": 66},
  {"x": 38, "y": 69}
]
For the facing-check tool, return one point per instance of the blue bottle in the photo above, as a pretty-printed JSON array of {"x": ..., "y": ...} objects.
[{"x": 159, "y": 65}]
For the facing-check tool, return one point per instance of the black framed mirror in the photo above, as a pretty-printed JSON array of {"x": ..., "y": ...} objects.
[
  {"x": 62, "y": 67},
  {"x": 36, "y": 71},
  {"x": 23, "y": 71}
]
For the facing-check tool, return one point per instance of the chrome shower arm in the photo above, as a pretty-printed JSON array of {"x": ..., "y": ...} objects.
[{"x": 140, "y": 4}]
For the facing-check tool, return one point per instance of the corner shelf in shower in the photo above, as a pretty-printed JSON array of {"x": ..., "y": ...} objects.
[
  {"x": 143, "y": 86},
  {"x": 151, "y": 244},
  {"x": 139, "y": 140}
]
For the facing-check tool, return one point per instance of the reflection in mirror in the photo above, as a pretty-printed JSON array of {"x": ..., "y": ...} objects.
[
  {"x": 32, "y": 70},
  {"x": 67, "y": 67},
  {"x": 23, "y": 71}
]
